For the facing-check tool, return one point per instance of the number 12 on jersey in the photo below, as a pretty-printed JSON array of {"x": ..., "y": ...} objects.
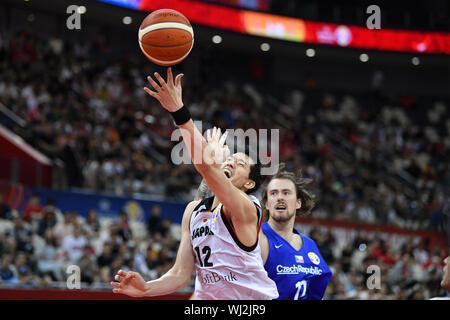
[{"x": 207, "y": 253}]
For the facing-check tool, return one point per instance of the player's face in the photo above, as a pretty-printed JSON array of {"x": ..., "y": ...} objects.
[
  {"x": 237, "y": 169},
  {"x": 282, "y": 201}
]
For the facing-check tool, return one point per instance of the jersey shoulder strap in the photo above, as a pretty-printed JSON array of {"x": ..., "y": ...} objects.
[
  {"x": 271, "y": 235},
  {"x": 259, "y": 212},
  {"x": 204, "y": 205},
  {"x": 230, "y": 227}
]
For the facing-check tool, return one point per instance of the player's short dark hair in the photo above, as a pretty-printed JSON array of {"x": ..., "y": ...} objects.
[
  {"x": 255, "y": 175},
  {"x": 300, "y": 183}
]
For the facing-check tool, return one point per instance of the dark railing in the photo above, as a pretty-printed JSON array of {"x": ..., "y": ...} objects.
[{"x": 9, "y": 119}]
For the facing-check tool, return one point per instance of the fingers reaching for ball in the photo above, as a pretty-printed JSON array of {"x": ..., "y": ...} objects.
[{"x": 168, "y": 94}]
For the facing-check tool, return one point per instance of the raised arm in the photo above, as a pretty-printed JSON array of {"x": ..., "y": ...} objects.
[
  {"x": 203, "y": 191},
  {"x": 169, "y": 94},
  {"x": 132, "y": 284}
]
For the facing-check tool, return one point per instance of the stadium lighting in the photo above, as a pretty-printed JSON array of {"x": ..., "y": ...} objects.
[
  {"x": 265, "y": 46},
  {"x": 364, "y": 57},
  {"x": 217, "y": 39},
  {"x": 127, "y": 20},
  {"x": 81, "y": 10},
  {"x": 415, "y": 61},
  {"x": 310, "y": 52}
]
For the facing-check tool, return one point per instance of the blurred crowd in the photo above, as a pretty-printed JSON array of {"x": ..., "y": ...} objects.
[
  {"x": 39, "y": 244},
  {"x": 373, "y": 157},
  {"x": 371, "y": 266}
]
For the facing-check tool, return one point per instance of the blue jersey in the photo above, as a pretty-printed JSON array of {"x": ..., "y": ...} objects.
[{"x": 299, "y": 274}]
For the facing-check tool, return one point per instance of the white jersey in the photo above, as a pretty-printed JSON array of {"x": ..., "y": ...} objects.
[{"x": 226, "y": 268}]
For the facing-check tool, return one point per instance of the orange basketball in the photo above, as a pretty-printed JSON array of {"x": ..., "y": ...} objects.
[{"x": 166, "y": 37}]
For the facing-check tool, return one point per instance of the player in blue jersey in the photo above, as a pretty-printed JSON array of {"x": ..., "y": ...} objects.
[{"x": 290, "y": 258}]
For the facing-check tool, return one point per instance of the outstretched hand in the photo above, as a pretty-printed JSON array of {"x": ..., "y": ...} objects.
[
  {"x": 169, "y": 93},
  {"x": 216, "y": 152},
  {"x": 130, "y": 283}
]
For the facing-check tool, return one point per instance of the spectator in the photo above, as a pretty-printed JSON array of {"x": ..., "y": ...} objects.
[
  {"x": 25, "y": 275},
  {"x": 50, "y": 258},
  {"x": 8, "y": 244},
  {"x": 345, "y": 259},
  {"x": 33, "y": 210},
  {"x": 8, "y": 272},
  {"x": 107, "y": 273},
  {"x": 64, "y": 228},
  {"x": 125, "y": 253},
  {"x": 50, "y": 205},
  {"x": 106, "y": 257},
  {"x": 5, "y": 209},
  {"x": 22, "y": 235},
  {"x": 124, "y": 227},
  {"x": 92, "y": 223},
  {"x": 141, "y": 265},
  {"x": 63, "y": 150},
  {"x": 151, "y": 258},
  {"x": 48, "y": 221},
  {"x": 154, "y": 222},
  {"x": 113, "y": 238},
  {"x": 165, "y": 228},
  {"x": 366, "y": 213},
  {"x": 88, "y": 265},
  {"x": 74, "y": 244}
]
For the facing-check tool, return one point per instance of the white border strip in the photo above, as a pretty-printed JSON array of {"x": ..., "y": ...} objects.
[
  {"x": 165, "y": 25},
  {"x": 21, "y": 144}
]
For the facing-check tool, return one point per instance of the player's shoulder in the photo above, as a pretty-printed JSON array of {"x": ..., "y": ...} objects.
[
  {"x": 267, "y": 229},
  {"x": 304, "y": 237},
  {"x": 190, "y": 208},
  {"x": 199, "y": 205},
  {"x": 192, "y": 205},
  {"x": 307, "y": 241},
  {"x": 310, "y": 246}
]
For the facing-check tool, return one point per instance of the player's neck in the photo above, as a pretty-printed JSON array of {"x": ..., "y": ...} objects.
[
  {"x": 284, "y": 229},
  {"x": 215, "y": 203}
]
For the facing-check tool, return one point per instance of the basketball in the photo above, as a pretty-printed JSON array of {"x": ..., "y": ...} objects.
[{"x": 166, "y": 37}]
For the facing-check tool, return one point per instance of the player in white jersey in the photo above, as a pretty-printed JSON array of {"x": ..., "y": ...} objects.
[
  {"x": 226, "y": 268},
  {"x": 219, "y": 236}
]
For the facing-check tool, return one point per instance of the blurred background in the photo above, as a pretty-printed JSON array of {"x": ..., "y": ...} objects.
[{"x": 86, "y": 176}]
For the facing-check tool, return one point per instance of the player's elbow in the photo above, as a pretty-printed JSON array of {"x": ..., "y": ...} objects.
[
  {"x": 185, "y": 283},
  {"x": 182, "y": 274},
  {"x": 183, "y": 278}
]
